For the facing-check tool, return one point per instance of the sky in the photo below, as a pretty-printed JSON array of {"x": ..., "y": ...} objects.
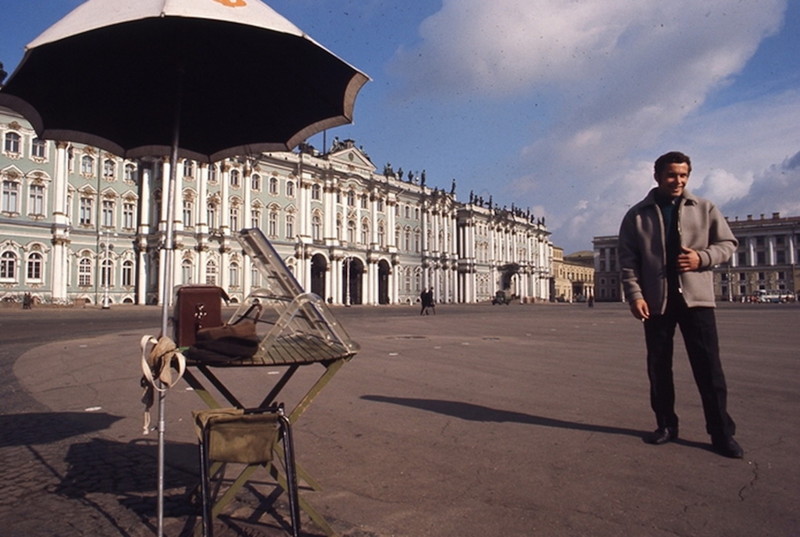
[{"x": 557, "y": 106}]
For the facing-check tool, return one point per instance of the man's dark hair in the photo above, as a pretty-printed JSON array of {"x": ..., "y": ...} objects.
[{"x": 673, "y": 157}]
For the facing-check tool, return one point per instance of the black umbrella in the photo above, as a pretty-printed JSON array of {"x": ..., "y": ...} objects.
[
  {"x": 235, "y": 80},
  {"x": 204, "y": 79}
]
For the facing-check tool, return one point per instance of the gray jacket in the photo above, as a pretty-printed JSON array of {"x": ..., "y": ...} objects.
[{"x": 643, "y": 252}]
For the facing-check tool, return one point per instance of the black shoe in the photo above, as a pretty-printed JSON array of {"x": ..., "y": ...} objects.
[
  {"x": 727, "y": 447},
  {"x": 662, "y": 435}
]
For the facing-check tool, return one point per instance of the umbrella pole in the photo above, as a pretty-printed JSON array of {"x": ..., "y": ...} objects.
[{"x": 169, "y": 247}]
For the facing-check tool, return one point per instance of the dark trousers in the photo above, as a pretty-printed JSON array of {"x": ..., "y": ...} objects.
[{"x": 699, "y": 329}]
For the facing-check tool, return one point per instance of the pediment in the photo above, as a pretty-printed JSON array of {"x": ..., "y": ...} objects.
[{"x": 353, "y": 157}]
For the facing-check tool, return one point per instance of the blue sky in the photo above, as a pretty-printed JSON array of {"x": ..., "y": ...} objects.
[{"x": 558, "y": 106}]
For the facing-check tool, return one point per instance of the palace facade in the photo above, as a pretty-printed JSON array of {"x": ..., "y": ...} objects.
[{"x": 78, "y": 224}]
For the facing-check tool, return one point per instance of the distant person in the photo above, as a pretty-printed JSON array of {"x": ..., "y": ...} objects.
[
  {"x": 668, "y": 245},
  {"x": 425, "y": 299},
  {"x": 431, "y": 301}
]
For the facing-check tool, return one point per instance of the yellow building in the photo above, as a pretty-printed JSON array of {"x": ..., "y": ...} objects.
[{"x": 573, "y": 276}]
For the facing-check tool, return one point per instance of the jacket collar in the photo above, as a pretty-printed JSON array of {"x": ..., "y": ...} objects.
[{"x": 688, "y": 197}]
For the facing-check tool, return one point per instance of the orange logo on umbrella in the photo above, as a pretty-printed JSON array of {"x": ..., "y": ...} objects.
[{"x": 232, "y": 3}]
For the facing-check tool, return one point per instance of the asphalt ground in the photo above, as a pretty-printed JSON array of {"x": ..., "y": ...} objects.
[{"x": 520, "y": 420}]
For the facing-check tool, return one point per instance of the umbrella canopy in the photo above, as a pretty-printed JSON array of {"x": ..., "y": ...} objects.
[{"x": 233, "y": 76}]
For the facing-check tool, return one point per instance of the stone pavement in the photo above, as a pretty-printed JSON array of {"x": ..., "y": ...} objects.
[{"x": 517, "y": 421}]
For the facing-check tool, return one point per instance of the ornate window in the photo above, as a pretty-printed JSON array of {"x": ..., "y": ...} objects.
[
  {"x": 381, "y": 235},
  {"x": 12, "y": 143},
  {"x": 36, "y": 200},
  {"x": 186, "y": 271},
  {"x": 86, "y": 211},
  {"x": 8, "y": 266},
  {"x": 316, "y": 192},
  {"x": 233, "y": 273},
  {"x": 108, "y": 213},
  {"x": 34, "y": 270},
  {"x": 127, "y": 273},
  {"x": 255, "y": 217},
  {"x": 290, "y": 226},
  {"x": 211, "y": 272},
  {"x": 290, "y": 189},
  {"x": 128, "y": 215},
  {"x": 188, "y": 212},
  {"x": 10, "y": 197},
  {"x": 316, "y": 227},
  {"x": 85, "y": 272},
  {"x": 255, "y": 182},
  {"x": 273, "y": 186},
  {"x": 106, "y": 273},
  {"x": 272, "y": 225},
  {"x": 234, "y": 218},
  {"x": 129, "y": 173},
  {"x": 211, "y": 214},
  {"x": 109, "y": 169},
  {"x": 39, "y": 148},
  {"x": 236, "y": 177},
  {"x": 87, "y": 165}
]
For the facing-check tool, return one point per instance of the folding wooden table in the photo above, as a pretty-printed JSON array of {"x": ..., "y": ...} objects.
[{"x": 294, "y": 329}]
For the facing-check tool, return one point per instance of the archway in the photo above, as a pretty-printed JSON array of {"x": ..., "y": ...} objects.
[
  {"x": 383, "y": 282},
  {"x": 319, "y": 265},
  {"x": 507, "y": 273},
  {"x": 352, "y": 271}
]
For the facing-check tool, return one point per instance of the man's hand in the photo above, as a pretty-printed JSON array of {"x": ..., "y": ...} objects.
[
  {"x": 640, "y": 310},
  {"x": 688, "y": 260}
]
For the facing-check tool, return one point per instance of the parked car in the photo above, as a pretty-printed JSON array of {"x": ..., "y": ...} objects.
[{"x": 500, "y": 297}]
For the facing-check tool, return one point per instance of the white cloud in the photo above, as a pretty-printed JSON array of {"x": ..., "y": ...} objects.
[
  {"x": 518, "y": 45},
  {"x": 622, "y": 82},
  {"x": 774, "y": 190},
  {"x": 722, "y": 186}
]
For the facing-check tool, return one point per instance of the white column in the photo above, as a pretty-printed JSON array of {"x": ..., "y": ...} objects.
[
  {"x": 771, "y": 250},
  {"x": 202, "y": 223},
  {"x": 391, "y": 221},
  {"x": 59, "y": 272},
  {"x": 225, "y": 202},
  {"x": 336, "y": 281},
  {"x": 372, "y": 284},
  {"x": 329, "y": 217},
  {"x": 328, "y": 281},
  {"x": 144, "y": 267},
  {"x": 394, "y": 284}
]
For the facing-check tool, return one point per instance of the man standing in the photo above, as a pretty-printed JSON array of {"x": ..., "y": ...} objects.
[
  {"x": 425, "y": 300},
  {"x": 668, "y": 245}
]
